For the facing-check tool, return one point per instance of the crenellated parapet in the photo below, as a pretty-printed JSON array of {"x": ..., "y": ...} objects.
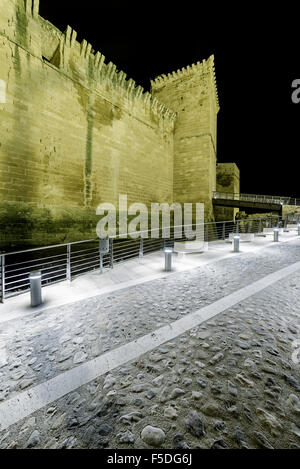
[
  {"x": 21, "y": 23},
  {"x": 206, "y": 67},
  {"x": 81, "y": 59},
  {"x": 32, "y": 7}
]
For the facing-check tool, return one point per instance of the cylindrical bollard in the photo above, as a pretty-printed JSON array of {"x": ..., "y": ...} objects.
[
  {"x": 276, "y": 235},
  {"x": 236, "y": 243},
  {"x": 298, "y": 229},
  {"x": 168, "y": 259},
  {"x": 36, "y": 288}
]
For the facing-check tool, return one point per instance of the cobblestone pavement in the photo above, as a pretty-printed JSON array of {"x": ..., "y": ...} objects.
[{"x": 231, "y": 382}]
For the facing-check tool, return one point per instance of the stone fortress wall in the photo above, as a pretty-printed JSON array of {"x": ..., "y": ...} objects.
[
  {"x": 75, "y": 132},
  {"x": 192, "y": 93},
  {"x": 228, "y": 180}
]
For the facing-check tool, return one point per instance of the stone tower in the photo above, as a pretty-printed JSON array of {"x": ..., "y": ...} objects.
[{"x": 192, "y": 94}]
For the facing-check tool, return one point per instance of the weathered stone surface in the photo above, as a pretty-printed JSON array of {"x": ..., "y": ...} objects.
[
  {"x": 195, "y": 425},
  {"x": 153, "y": 436},
  {"x": 126, "y": 131},
  {"x": 34, "y": 439},
  {"x": 270, "y": 421}
]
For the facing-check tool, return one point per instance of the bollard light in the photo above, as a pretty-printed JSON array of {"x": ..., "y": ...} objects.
[
  {"x": 168, "y": 259},
  {"x": 36, "y": 288},
  {"x": 236, "y": 243},
  {"x": 276, "y": 235}
]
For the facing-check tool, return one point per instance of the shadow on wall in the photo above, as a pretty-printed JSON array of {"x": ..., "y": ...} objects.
[{"x": 23, "y": 226}]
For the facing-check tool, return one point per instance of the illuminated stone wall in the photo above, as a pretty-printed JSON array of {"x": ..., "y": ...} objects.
[
  {"x": 228, "y": 180},
  {"x": 75, "y": 132},
  {"x": 192, "y": 93},
  {"x": 290, "y": 210}
]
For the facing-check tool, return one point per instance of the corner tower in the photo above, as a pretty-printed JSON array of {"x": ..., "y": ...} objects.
[{"x": 192, "y": 94}]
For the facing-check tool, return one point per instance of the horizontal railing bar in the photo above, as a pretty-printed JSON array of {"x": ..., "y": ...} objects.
[
  {"x": 129, "y": 248},
  {"x": 155, "y": 241},
  {"x": 38, "y": 260},
  {"x": 51, "y": 272},
  {"x": 45, "y": 276},
  {"x": 74, "y": 253},
  {"x": 28, "y": 271},
  {"x": 104, "y": 261},
  {"x": 94, "y": 256},
  {"x": 56, "y": 276},
  {"x": 95, "y": 266},
  {"x": 255, "y": 195},
  {"x": 124, "y": 257},
  {"x": 28, "y": 289},
  {"x": 120, "y": 241},
  {"x": 87, "y": 263},
  {"x": 18, "y": 286},
  {"x": 89, "y": 254}
]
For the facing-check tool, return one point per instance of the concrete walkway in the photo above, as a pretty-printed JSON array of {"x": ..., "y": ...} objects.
[
  {"x": 208, "y": 356},
  {"x": 133, "y": 272}
]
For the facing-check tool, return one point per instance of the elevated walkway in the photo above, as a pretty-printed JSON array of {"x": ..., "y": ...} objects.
[{"x": 258, "y": 203}]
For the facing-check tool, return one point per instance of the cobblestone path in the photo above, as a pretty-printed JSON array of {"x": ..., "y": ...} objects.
[{"x": 233, "y": 382}]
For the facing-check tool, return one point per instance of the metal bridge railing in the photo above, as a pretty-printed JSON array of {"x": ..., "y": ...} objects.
[
  {"x": 66, "y": 261},
  {"x": 269, "y": 199}
]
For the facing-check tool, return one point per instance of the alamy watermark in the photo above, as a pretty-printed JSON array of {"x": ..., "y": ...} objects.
[
  {"x": 296, "y": 92},
  {"x": 137, "y": 221}
]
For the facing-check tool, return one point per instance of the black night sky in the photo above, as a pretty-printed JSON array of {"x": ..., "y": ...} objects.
[{"x": 256, "y": 55}]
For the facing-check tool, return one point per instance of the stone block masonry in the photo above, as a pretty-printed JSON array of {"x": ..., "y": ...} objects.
[
  {"x": 192, "y": 93},
  {"x": 228, "y": 180},
  {"x": 75, "y": 132}
]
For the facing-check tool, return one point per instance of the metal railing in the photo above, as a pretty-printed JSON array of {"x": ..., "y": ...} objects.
[
  {"x": 66, "y": 261},
  {"x": 268, "y": 199}
]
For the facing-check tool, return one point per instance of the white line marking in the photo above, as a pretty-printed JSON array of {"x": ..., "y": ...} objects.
[{"x": 27, "y": 402}]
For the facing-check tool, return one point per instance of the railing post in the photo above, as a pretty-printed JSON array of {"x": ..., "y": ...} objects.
[
  {"x": 141, "y": 253},
  {"x": 2, "y": 278},
  {"x": 100, "y": 257},
  {"x": 69, "y": 262},
  {"x": 111, "y": 250},
  {"x": 223, "y": 232}
]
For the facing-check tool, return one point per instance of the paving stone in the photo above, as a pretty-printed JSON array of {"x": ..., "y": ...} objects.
[{"x": 228, "y": 383}]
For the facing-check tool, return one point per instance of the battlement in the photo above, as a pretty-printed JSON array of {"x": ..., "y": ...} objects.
[
  {"x": 107, "y": 72},
  {"x": 76, "y": 59},
  {"x": 199, "y": 68},
  {"x": 31, "y": 7}
]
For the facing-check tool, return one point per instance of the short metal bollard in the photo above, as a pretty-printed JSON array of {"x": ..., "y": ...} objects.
[
  {"x": 236, "y": 243},
  {"x": 36, "y": 288},
  {"x": 298, "y": 229},
  {"x": 276, "y": 235},
  {"x": 168, "y": 259}
]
